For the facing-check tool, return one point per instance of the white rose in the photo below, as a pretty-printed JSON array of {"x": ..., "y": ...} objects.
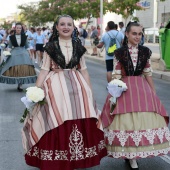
[
  {"x": 118, "y": 83},
  {"x": 35, "y": 94},
  {"x": 2, "y": 45},
  {"x": 6, "y": 53}
]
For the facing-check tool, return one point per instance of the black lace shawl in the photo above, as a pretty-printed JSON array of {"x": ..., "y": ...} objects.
[
  {"x": 54, "y": 51},
  {"x": 123, "y": 56},
  {"x": 14, "y": 41}
]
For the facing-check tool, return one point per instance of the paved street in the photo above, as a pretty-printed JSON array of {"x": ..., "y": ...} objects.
[{"x": 11, "y": 152}]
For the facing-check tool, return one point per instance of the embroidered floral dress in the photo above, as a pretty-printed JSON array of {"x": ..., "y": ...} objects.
[
  {"x": 138, "y": 126},
  {"x": 66, "y": 132}
]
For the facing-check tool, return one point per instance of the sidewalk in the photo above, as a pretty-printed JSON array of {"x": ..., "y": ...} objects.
[{"x": 155, "y": 62}]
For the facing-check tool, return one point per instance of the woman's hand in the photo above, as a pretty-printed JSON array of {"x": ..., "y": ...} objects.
[{"x": 41, "y": 77}]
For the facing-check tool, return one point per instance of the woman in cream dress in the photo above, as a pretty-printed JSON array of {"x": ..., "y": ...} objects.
[{"x": 65, "y": 133}]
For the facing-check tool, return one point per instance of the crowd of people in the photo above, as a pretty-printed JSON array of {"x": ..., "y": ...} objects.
[{"x": 68, "y": 131}]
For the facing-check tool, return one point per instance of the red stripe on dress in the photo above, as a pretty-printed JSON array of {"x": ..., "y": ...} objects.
[
  {"x": 26, "y": 130},
  {"x": 53, "y": 102},
  {"x": 133, "y": 91},
  {"x": 33, "y": 134},
  {"x": 85, "y": 97},
  {"x": 145, "y": 96},
  {"x": 138, "y": 95},
  {"x": 65, "y": 101},
  {"x": 49, "y": 119},
  {"x": 75, "y": 94},
  {"x": 131, "y": 94}
]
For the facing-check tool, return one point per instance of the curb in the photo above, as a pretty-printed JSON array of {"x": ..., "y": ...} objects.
[{"x": 164, "y": 75}]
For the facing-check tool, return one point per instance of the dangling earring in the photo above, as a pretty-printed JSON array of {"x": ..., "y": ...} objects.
[{"x": 57, "y": 33}]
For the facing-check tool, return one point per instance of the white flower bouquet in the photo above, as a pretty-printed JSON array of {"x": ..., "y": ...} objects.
[
  {"x": 115, "y": 88},
  {"x": 3, "y": 45},
  {"x": 6, "y": 53},
  {"x": 33, "y": 96}
]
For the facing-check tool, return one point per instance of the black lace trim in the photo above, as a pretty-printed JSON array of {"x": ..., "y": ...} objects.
[
  {"x": 123, "y": 56},
  {"x": 14, "y": 41},
  {"x": 54, "y": 51}
]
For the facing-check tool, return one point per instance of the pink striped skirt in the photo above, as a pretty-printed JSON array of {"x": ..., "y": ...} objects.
[{"x": 137, "y": 127}]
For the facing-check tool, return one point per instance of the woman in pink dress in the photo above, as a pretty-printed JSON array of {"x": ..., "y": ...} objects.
[
  {"x": 138, "y": 125},
  {"x": 66, "y": 132}
]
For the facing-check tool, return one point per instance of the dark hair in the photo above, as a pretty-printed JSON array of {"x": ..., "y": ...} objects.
[
  {"x": 128, "y": 28},
  {"x": 18, "y": 23},
  {"x": 44, "y": 28},
  {"x": 111, "y": 25},
  {"x": 130, "y": 25},
  {"x": 116, "y": 26},
  {"x": 33, "y": 29},
  {"x": 121, "y": 24},
  {"x": 38, "y": 29},
  {"x": 12, "y": 32},
  {"x": 55, "y": 34}
]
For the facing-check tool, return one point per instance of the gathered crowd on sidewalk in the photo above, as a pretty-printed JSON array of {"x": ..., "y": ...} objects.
[{"x": 65, "y": 130}]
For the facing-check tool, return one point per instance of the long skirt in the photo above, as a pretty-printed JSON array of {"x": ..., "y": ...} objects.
[
  {"x": 18, "y": 68},
  {"x": 66, "y": 132},
  {"x": 138, "y": 126}
]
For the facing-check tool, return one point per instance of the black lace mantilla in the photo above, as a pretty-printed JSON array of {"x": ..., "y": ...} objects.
[
  {"x": 54, "y": 51},
  {"x": 123, "y": 56},
  {"x": 14, "y": 41}
]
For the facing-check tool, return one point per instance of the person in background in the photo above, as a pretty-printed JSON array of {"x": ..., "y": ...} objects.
[
  {"x": 29, "y": 35},
  {"x": 94, "y": 40},
  {"x": 161, "y": 26},
  {"x": 142, "y": 41},
  {"x": 12, "y": 32},
  {"x": 122, "y": 27},
  {"x": 18, "y": 68},
  {"x": 1, "y": 40},
  {"x": 66, "y": 127},
  {"x": 138, "y": 125},
  {"x": 39, "y": 41},
  {"x": 110, "y": 33},
  {"x": 45, "y": 33},
  {"x": 116, "y": 27},
  {"x": 98, "y": 29},
  {"x": 81, "y": 31},
  {"x": 6, "y": 36},
  {"x": 32, "y": 45}
]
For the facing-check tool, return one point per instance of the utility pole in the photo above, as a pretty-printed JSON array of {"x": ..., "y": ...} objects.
[
  {"x": 101, "y": 17},
  {"x": 155, "y": 17}
]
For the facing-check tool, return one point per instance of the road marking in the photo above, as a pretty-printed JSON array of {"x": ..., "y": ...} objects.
[{"x": 166, "y": 158}]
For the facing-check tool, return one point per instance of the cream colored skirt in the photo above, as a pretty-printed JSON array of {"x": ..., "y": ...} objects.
[{"x": 137, "y": 135}]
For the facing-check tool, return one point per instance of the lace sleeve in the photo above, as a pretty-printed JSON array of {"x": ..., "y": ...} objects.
[
  {"x": 147, "y": 71},
  {"x": 117, "y": 73},
  {"x": 46, "y": 62}
]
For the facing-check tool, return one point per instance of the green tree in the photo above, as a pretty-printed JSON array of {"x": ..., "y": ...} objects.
[{"x": 50, "y": 9}]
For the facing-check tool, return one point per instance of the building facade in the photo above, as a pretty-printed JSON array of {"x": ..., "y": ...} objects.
[{"x": 155, "y": 12}]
